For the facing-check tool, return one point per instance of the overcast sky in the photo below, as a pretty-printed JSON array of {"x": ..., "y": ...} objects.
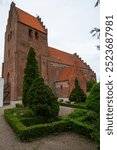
[{"x": 69, "y": 23}]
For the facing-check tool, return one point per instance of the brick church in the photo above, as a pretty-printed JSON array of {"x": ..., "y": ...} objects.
[{"x": 58, "y": 68}]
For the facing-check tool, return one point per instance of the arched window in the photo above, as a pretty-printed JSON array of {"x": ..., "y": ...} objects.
[
  {"x": 8, "y": 77},
  {"x": 11, "y": 35}
]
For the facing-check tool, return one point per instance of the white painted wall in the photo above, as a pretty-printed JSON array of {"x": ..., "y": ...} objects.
[{"x": 1, "y": 91}]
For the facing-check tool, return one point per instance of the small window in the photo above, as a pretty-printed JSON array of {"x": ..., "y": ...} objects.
[
  {"x": 30, "y": 33},
  {"x": 36, "y": 35},
  {"x": 10, "y": 34},
  {"x": 61, "y": 86}
]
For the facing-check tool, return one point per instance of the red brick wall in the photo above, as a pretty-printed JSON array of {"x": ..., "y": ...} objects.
[
  {"x": 10, "y": 52},
  {"x": 54, "y": 70}
]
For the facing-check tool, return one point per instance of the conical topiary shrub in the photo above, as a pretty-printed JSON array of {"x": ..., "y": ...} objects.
[
  {"x": 42, "y": 100},
  {"x": 30, "y": 73},
  {"x": 77, "y": 94}
]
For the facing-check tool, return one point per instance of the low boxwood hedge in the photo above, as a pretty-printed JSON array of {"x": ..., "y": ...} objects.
[
  {"x": 81, "y": 128},
  {"x": 37, "y": 120},
  {"x": 39, "y": 130},
  {"x": 79, "y": 105},
  {"x": 27, "y": 133},
  {"x": 18, "y": 105}
]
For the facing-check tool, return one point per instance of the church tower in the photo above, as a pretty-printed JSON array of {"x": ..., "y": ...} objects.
[{"x": 22, "y": 32}]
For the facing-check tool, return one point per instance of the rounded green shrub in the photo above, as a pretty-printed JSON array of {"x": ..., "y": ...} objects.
[
  {"x": 42, "y": 100},
  {"x": 90, "y": 84},
  {"x": 93, "y": 99}
]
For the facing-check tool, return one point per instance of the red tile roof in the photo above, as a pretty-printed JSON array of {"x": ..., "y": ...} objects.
[
  {"x": 71, "y": 60},
  {"x": 29, "y": 20},
  {"x": 61, "y": 57},
  {"x": 65, "y": 58}
]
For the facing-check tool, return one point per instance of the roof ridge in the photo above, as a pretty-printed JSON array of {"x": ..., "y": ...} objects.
[
  {"x": 25, "y": 12},
  {"x": 60, "y": 50},
  {"x": 73, "y": 55}
]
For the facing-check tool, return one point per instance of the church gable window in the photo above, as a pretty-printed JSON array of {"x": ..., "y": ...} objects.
[
  {"x": 30, "y": 32},
  {"x": 36, "y": 35}
]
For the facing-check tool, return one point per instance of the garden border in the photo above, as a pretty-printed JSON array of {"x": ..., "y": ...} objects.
[{"x": 40, "y": 130}]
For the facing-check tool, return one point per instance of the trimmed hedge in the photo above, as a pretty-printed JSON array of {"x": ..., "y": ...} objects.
[
  {"x": 18, "y": 105},
  {"x": 81, "y": 128},
  {"x": 86, "y": 123},
  {"x": 70, "y": 123},
  {"x": 79, "y": 105},
  {"x": 27, "y": 133},
  {"x": 37, "y": 120},
  {"x": 13, "y": 121},
  {"x": 41, "y": 130},
  {"x": 77, "y": 113}
]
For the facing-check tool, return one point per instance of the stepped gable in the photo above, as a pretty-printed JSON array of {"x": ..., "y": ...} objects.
[
  {"x": 30, "y": 20},
  {"x": 56, "y": 55},
  {"x": 62, "y": 57},
  {"x": 84, "y": 63}
]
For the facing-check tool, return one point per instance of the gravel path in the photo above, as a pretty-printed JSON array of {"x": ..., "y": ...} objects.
[{"x": 63, "y": 141}]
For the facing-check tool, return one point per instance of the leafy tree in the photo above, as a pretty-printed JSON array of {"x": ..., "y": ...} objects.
[
  {"x": 97, "y": 3},
  {"x": 42, "y": 100},
  {"x": 89, "y": 84},
  {"x": 96, "y": 31},
  {"x": 93, "y": 99},
  {"x": 30, "y": 73},
  {"x": 77, "y": 93}
]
